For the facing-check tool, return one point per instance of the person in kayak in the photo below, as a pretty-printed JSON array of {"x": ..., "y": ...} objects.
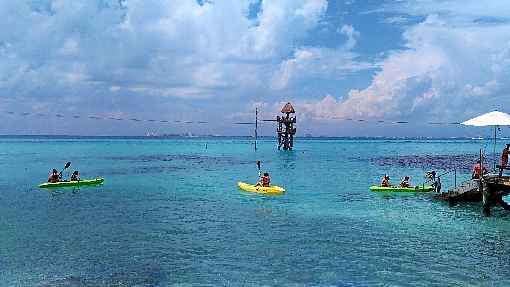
[
  {"x": 386, "y": 181},
  {"x": 478, "y": 170},
  {"x": 54, "y": 176},
  {"x": 405, "y": 182},
  {"x": 75, "y": 176},
  {"x": 264, "y": 181}
]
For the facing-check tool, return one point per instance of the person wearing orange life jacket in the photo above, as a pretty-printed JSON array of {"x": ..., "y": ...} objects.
[
  {"x": 478, "y": 170},
  {"x": 265, "y": 180}
]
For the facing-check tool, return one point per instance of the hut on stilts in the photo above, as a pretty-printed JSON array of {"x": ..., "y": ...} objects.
[{"x": 286, "y": 129}]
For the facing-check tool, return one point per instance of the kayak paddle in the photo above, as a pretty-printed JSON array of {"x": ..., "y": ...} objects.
[
  {"x": 68, "y": 164},
  {"x": 258, "y": 165}
]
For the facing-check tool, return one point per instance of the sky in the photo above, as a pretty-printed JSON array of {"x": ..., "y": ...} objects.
[{"x": 88, "y": 66}]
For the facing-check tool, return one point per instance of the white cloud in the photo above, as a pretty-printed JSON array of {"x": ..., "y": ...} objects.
[
  {"x": 146, "y": 58},
  {"x": 177, "y": 48},
  {"x": 318, "y": 62},
  {"x": 281, "y": 22},
  {"x": 395, "y": 20},
  {"x": 70, "y": 47},
  {"x": 487, "y": 89},
  {"x": 468, "y": 9},
  {"x": 175, "y": 92},
  {"x": 310, "y": 63},
  {"x": 447, "y": 66},
  {"x": 352, "y": 36}
]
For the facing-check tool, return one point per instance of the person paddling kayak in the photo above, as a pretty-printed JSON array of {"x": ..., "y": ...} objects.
[
  {"x": 264, "y": 181},
  {"x": 75, "y": 176},
  {"x": 405, "y": 182},
  {"x": 385, "y": 181},
  {"x": 54, "y": 176}
]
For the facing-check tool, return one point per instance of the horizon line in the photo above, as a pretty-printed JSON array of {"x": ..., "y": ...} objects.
[{"x": 172, "y": 136}]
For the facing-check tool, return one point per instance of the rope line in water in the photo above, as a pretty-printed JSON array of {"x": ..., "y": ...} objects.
[
  {"x": 133, "y": 119},
  {"x": 96, "y": 117}
]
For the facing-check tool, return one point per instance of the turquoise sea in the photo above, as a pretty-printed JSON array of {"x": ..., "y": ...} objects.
[{"x": 170, "y": 214}]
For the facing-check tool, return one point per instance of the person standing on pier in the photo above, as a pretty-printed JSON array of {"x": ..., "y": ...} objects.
[
  {"x": 478, "y": 170},
  {"x": 504, "y": 159},
  {"x": 504, "y": 156}
]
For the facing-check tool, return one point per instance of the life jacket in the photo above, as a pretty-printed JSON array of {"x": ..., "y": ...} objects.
[
  {"x": 477, "y": 170},
  {"x": 266, "y": 181}
]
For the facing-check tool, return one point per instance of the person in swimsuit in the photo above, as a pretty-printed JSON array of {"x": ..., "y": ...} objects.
[
  {"x": 54, "y": 176},
  {"x": 405, "y": 182},
  {"x": 75, "y": 176},
  {"x": 386, "y": 181}
]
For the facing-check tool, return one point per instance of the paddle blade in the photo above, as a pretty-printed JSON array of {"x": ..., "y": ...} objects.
[
  {"x": 68, "y": 164},
  {"x": 258, "y": 164}
]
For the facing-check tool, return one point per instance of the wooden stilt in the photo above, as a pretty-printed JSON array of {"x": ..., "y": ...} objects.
[
  {"x": 486, "y": 198},
  {"x": 256, "y": 126}
]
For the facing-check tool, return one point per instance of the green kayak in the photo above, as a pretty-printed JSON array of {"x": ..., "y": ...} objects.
[
  {"x": 72, "y": 183},
  {"x": 418, "y": 188}
]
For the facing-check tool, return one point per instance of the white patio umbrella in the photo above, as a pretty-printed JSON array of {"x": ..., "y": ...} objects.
[
  {"x": 494, "y": 119},
  {"x": 489, "y": 119}
]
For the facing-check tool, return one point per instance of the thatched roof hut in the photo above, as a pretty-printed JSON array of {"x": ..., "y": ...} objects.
[{"x": 288, "y": 109}]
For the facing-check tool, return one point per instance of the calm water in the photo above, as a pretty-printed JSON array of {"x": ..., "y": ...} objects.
[{"x": 170, "y": 214}]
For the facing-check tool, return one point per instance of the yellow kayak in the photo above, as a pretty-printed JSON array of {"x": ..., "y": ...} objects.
[{"x": 261, "y": 189}]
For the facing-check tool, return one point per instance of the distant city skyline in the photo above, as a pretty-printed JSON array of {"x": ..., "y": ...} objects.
[{"x": 216, "y": 61}]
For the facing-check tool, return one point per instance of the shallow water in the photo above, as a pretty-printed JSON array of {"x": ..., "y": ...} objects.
[{"x": 170, "y": 213}]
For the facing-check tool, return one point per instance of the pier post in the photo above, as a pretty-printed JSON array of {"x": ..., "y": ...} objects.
[
  {"x": 256, "y": 126},
  {"x": 486, "y": 198},
  {"x": 455, "y": 176}
]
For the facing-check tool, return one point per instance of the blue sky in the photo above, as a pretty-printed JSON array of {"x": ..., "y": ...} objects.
[{"x": 215, "y": 61}]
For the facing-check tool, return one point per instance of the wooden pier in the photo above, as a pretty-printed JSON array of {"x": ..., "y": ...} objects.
[{"x": 489, "y": 190}]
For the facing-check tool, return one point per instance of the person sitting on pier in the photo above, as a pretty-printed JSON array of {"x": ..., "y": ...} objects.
[
  {"x": 265, "y": 180},
  {"x": 54, "y": 176},
  {"x": 478, "y": 170},
  {"x": 405, "y": 182},
  {"x": 386, "y": 181}
]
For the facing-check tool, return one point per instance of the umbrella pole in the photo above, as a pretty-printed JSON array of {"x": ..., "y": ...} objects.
[{"x": 494, "y": 148}]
